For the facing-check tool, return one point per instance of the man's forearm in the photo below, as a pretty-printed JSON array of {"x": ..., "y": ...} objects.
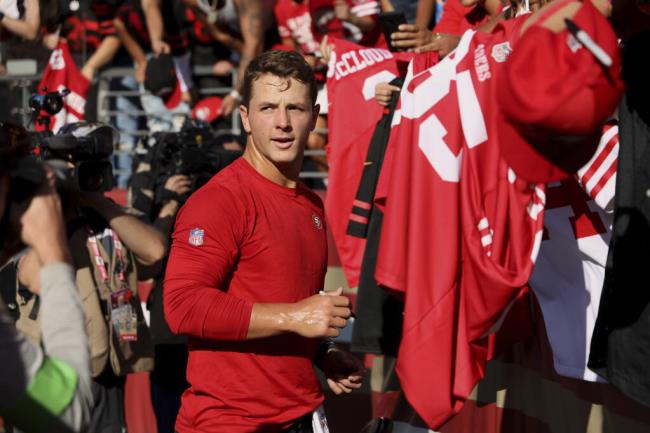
[
  {"x": 144, "y": 241},
  {"x": 153, "y": 18},
  {"x": 104, "y": 53},
  {"x": 20, "y": 28},
  {"x": 252, "y": 28},
  {"x": 131, "y": 45},
  {"x": 424, "y": 13}
]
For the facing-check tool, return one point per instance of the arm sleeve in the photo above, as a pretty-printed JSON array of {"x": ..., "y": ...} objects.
[
  {"x": 64, "y": 339},
  {"x": 205, "y": 246},
  {"x": 63, "y": 330}
]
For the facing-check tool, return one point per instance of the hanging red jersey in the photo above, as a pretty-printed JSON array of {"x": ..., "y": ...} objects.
[
  {"x": 62, "y": 73},
  {"x": 294, "y": 22},
  {"x": 451, "y": 200},
  {"x": 353, "y": 113},
  {"x": 325, "y": 22},
  {"x": 570, "y": 270}
]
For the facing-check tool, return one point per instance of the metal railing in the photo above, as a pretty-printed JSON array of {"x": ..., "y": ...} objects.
[{"x": 26, "y": 85}]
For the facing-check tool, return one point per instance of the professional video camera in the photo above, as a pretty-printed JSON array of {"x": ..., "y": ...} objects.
[
  {"x": 196, "y": 151},
  {"x": 79, "y": 150},
  {"x": 82, "y": 151}
]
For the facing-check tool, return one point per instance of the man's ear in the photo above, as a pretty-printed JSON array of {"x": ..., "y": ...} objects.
[
  {"x": 243, "y": 113},
  {"x": 314, "y": 111}
]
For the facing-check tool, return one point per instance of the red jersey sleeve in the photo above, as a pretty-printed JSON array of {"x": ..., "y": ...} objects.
[{"x": 209, "y": 230}]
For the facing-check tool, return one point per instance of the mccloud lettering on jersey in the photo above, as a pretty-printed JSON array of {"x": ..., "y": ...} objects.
[{"x": 354, "y": 61}]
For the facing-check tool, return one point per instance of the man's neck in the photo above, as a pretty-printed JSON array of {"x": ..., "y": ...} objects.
[{"x": 283, "y": 176}]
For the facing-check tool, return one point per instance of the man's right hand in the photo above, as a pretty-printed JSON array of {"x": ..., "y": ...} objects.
[{"x": 320, "y": 316}]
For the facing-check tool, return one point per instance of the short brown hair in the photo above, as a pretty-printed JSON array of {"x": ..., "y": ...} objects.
[{"x": 283, "y": 64}]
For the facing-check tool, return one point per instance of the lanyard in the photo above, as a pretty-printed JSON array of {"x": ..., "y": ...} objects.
[{"x": 99, "y": 261}]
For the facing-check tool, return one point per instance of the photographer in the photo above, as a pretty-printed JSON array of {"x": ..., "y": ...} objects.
[
  {"x": 110, "y": 251},
  {"x": 43, "y": 388}
]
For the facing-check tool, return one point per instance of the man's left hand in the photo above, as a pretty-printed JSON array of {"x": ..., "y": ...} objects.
[{"x": 344, "y": 371}]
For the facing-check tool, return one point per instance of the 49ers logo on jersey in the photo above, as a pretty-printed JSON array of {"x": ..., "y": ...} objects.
[
  {"x": 318, "y": 222},
  {"x": 500, "y": 52}
]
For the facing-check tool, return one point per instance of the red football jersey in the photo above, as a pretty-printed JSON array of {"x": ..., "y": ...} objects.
[
  {"x": 353, "y": 113},
  {"x": 451, "y": 200},
  {"x": 294, "y": 22}
]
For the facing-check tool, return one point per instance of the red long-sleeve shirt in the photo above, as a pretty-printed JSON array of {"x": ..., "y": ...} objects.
[{"x": 243, "y": 239}]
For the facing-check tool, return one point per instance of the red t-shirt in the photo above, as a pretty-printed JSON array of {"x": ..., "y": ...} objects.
[{"x": 239, "y": 240}]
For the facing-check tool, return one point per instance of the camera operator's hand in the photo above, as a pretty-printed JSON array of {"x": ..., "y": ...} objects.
[
  {"x": 42, "y": 226},
  {"x": 179, "y": 184}
]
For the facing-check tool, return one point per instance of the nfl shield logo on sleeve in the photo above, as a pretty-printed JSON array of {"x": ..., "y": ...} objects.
[{"x": 196, "y": 237}]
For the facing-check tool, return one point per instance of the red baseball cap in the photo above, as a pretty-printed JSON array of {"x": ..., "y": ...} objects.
[
  {"x": 207, "y": 109},
  {"x": 557, "y": 94}
]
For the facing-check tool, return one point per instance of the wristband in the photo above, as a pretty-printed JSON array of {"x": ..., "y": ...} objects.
[
  {"x": 2, "y": 16},
  {"x": 235, "y": 95}
]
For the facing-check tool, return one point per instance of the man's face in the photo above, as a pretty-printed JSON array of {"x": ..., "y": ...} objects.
[{"x": 279, "y": 119}]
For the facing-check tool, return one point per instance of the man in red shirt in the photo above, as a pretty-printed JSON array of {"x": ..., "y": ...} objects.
[{"x": 247, "y": 263}]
